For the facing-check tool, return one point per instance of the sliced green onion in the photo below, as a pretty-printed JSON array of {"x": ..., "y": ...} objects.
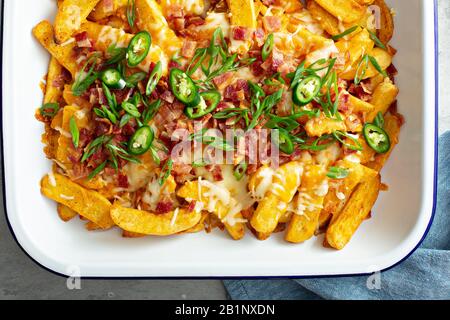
[
  {"x": 240, "y": 170},
  {"x": 267, "y": 48},
  {"x": 345, "y": 33},
  {"x": 97, "y": 170},
  {"x": 165, "y": 172},
  {"x": 337, "y": 173},
  {"x": 74, "y": 132},
  {"x": 49, "y": 109}
]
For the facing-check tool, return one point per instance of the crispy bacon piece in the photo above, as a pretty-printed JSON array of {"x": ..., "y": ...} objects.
[
  {"x": 164, "y": 206},
  {"x": 122, "y": 181},
  {"x": 241, "y": 33},
  {"x": 83, "y": 40},
  {"x": 222, "y": 81},
  {"x": 216, "y": 172},
  {"x": 188, "y": 49},
  {"x": 191, "y": 206},
  {"x": 259, "y": 35}
]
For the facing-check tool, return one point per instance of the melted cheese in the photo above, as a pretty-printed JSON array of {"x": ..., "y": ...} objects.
[
  {"x": 74, "y": 12},
  {"x": 138, "y": 176}
]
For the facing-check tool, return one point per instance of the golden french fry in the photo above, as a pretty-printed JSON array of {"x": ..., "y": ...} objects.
[
  {"x": 242, "y": 13},
  {"x": 316, "y": 127},
  {"x": 91, "y": 226},
  {"x": 354, "y": 49},
  {"x": 65, "y": 213},
  {"x": 383, "y": 58},
  {"x": 346, "y": 10},
  {"x": 386, "y": 30},
  {"x": 234, "y": 223},
  {"x": 147, "y": 223},
  {"x": 43, "y": 32},
  {"x": 383, "y": 97},
  {"x": 359, "y": 105},
  {"x": 303, "y": 226},
  {"x": 285, "y": 183},
  {"x": 89, "y": 204},
  {"x": 328, "y": 22},
  {"x": 105, "y": 36},
  {"x": 71, "y": 14},
  {"x": 193, "y": 7},
  {"x": 73, "y": 100},
  {"x": 353, "y": 214},
  {"x": 392, "y": 127},
  {"x": 65, "y": 143},
  {"x": 336, "y": 199},
  {"x": 53, "y": 93},
  {"x": 151, "y": 19}
]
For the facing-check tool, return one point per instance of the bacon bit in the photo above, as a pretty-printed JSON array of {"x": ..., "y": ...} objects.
[
  {"x": 179, "y": 24},
  {"x": 259, "y": 35},
  {"x": 83, "y": 40},
  {"x": 271, "y": 24},
  {"x": 168, "y": 96},
  {"x": 173, "y": 64},
  {"x": 181, "y": 172},
  {"x": 344, "y": 105},
  {"x": 164, "y": 207},
  {"x": 237, "y": 92},
  {"x": 216, "y": 172},
  {"x": 86, "y": 137},
  {"x": 191, "y": 206},
  {"x": 103, "y": 126},
  {"x": 122, "y": 181},
  {"x": 188, "y": 49},
  {"x": 194, "y": 21},
  {"x": 223, "y": 80},
  {"x": 174, "y": 11},
  {"x": 284, "y": 107},
  {"x": 240, "y": 33},
  {"x": 360, "y": 92}
]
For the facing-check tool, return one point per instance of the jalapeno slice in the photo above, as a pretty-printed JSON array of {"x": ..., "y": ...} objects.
[
  {"x": 141, "y": 141},
  {"x": 183, "y": 87},
  {"x": 113, "y": 79},
  {"x": 376, "y": 138},
  {"x": 139, "y": 48},
  {"x": 306, "y": 90},
  {"x": 154, "y": 78},
  {"x": 208, "y": 103},
  {"x": 284, "y": 142}
]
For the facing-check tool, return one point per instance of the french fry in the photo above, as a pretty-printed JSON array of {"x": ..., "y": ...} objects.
[
  {"x": 286, "y": 181},
  {"x": 71, "y": 14},
  {"x": 354, "y": 49},
  {"x": 105, "y": 36},
  {"x": 73, "y": 100},
  {"x": 65, "y": 144},
  {"x": 392, "y": 127},
  {"x": 53, "y": 93},
  {"x": 359, "y": 105},
  {"x": 65, "y": 213},
  {"x": 147, "y": 223},
  {"x": 89, "y": 204},
  {"x": 383, "y": 97},
  {"x": 43, "y": 32},
  {"x": 235, "y": 226},
  {"x": 194, "y": 7},
  {"x": 328, "y": 22},
  {"x": 383, "y": 58},
  {"x": 316, "y": 127},
  {"x": 91, "y": 226},
  {"x": 386, "y": 30},
  {"x": 302, "y": 227},
  {"x": 346, "y": 10},
  {"x": 151, "y": 19},
  {"x": 103, "y": 9},
  {"x": 354, "y": 213},
  {"x": 242, "y": 13}
]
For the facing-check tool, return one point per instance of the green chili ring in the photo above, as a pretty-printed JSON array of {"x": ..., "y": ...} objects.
[
  {"x": 139, "y": 48},
  {"x": 377, "y": 138},
  {"x": 154, "y": 78},
  {"x": 113, "y": 79},
  {"x": 183, "y": 87},
  {"x": 141, "y": 141},
  {"x": 306, "y": 90},
  {"x": 209, "y": 100}
]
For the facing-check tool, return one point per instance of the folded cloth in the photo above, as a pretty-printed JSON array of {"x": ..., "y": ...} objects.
[{"x": 424, "y": 275}]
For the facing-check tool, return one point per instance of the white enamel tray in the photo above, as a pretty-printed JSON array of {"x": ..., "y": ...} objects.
[{"x": 400, "y": 219}]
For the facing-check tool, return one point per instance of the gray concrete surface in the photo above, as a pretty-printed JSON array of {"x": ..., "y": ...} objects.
[{"x": 21, "y": 278}]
